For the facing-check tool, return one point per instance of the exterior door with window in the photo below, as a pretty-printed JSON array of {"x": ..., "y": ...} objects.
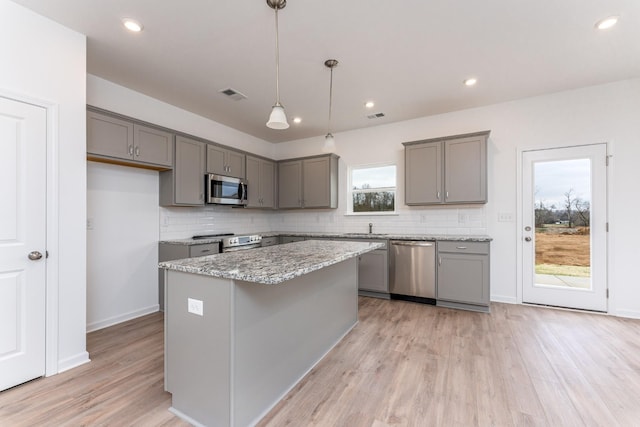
[
  {"x": 564, "y": 236},
  {"x": 22, "y": 242}
]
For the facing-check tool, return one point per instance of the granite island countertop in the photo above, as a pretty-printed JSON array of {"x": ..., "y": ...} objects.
[{"x": 273, "y": 264}]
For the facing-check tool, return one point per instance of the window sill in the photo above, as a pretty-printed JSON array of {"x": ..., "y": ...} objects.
[{"x": 371, "y": 214}]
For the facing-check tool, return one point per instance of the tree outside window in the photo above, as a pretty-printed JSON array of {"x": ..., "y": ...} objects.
[{"x": 373, "y": 189}]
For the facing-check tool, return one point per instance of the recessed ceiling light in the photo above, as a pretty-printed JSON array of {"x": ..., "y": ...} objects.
[
  {"x": 297, "y": 120},
  {"x": 369, "y": 104},
  {"x": 607, "y": 23},
  {"x": 470, "y": 81},
  {"x": 132, "y": 25}
]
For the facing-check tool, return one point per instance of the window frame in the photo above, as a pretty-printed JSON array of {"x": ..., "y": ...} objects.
[{"x": 351, "y": 191}]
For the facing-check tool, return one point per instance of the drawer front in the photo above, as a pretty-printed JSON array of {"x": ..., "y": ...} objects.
[
  {"x": 464, "y": 247},
  {"x": 202, "y": 250}
]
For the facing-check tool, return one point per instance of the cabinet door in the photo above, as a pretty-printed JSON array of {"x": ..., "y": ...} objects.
[
  {"x": 423, "y": 174},
  {"x": 215, "y": 160},
  {"x": 235, "y": 164},
  {"x": 373, "y": 273},
  {"x": 463, "y": 278},
  {"x": 465, "y": 179},
  {"x": 290, "y": 184},
  {"x": 253, "y": 182},
  {"x": 108, "y": 136},
  {"x": 189, "y": 172},
  {"x": 316, "y": 183},
  {"x": 152, "y": 145},
  {"x": 267, "y": 184}
]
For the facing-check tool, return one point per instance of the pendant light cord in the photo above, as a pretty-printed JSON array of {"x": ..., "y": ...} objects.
[
  {"x": 277, "y": 62},
  {"x": 330, "y": 100}
]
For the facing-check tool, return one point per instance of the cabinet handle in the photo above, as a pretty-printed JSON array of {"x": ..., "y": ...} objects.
[
  {"x": 446, "y": 195},
  {"x": 201, "y": 196},
  {"x": 461, "y": 247},
  {"x": 438, "y": 195},
  {"x": 131, "y": 150},
  {"x": 137, "y": 151},
  {"x": 205, "y": 251},
  {"x": 439, "y": 261}
]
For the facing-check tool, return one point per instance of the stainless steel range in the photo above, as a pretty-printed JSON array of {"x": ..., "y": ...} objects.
[
  {"x": 240, "y": 243},
  {"x": 232, "y": 243}
]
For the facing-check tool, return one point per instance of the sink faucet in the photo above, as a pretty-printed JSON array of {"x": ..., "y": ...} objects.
[{"x": 370, "y": 227}]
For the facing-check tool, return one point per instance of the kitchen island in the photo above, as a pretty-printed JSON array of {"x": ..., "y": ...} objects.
[{"x": 242, "y": 328}]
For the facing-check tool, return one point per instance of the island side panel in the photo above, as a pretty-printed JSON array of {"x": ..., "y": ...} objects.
[
  {"x": 282, "y": 331},
  {"x": 198, "y": 348}
]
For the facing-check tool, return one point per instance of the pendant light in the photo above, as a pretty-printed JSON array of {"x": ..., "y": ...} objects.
[
  {"x": 329, "y": 140},
  {"x": 278, "y": 118}
]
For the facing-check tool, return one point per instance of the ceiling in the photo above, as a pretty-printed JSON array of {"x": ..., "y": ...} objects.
[{"x": 408, "y": 56}]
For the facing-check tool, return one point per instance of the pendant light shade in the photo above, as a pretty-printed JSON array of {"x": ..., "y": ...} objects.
[
  {"x": 329, "y": 143},
  {"x": 278, "y": 118},
  {"x": 329, "y": 140}
]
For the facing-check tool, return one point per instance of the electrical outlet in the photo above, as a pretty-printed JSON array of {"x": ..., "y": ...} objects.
[
  {"x": 463, "y": 218},
  {"x": 89, "y": 223},
  {"x": 423, "y": 218},
  {"x": 505, "y": 217},
  {"x": 195, "y": 306}
]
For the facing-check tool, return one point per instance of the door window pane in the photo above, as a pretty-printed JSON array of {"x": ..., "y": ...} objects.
[{"x": 562, "y": 215}]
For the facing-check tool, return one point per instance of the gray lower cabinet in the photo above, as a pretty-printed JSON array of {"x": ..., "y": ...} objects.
[
  {"x": 463, "y": 275},
  {"x": 169, "y": 252},
  {"x": 117, "y": 140},
  {"x": 450, "y": 170},
  {"x": 270, "y": 241},
  {"x": 290, "y": 239},
  {"x": 184, "y": 184},
  {"x": 373, "y": 270},
  {"x": 223, "y": 161},
  {"x": 308, "y": 182},
  {"x": 261, "y": 176}
]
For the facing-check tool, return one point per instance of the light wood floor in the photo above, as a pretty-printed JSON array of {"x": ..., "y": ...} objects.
[{"x": 404, "y": 364}]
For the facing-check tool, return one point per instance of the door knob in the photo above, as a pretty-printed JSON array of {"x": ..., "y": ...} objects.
[
  {"x": 35, "y": 255},
  {"x": 527, "y": 239}
]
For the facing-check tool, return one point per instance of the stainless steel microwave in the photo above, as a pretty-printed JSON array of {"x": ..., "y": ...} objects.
[{"x": 225, "y": 190}]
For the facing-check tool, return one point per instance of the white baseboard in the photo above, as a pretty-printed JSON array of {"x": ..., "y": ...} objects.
[
  {"x": 94, "y": 326},
  {"x": 504, "y": 299},
  {"x": 73, "y": 361},
  {"x": 632, "y": 314}
]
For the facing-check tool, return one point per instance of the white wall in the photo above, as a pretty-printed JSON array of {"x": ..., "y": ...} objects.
[
  {"x": 122, "y": 243},
  {"x": 606, "y": 113},
  {"x": 46, "y": 62}
]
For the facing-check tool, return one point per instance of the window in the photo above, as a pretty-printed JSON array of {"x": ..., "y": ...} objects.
[{"x": 372, "y": 189}]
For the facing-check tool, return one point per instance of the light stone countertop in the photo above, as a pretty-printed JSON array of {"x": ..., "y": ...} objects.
[
  {"x": 273, "y": 264},
  {"x": 339, "y": 235}
]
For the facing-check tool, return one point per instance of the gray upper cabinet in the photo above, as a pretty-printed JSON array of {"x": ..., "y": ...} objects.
[
  {"x": 223, "y": 161},
  {"x": 184, "y": 185},
  {"x": 423, "y": 169},
  {"x": 447, "y": 170},
  {"x": 290, "y": 184},
  {"x": 118, "y": 140},
  {"x": 261, "y": 175},
  {"x": 308, "y": 183}
]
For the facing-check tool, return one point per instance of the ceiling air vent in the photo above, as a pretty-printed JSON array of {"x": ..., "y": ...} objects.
[
  {"x": 375, "y": 116},
  {"x": 233, "y": 94}
]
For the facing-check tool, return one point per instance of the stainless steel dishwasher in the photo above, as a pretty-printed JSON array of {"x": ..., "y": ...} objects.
[{"x": 412, "y": 275}]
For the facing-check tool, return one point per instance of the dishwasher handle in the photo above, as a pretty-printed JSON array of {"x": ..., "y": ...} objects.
[{"x": 410, "y": 243}]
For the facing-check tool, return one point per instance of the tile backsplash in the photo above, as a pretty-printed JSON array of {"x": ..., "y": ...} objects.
[{"x": 178, "y": 223}]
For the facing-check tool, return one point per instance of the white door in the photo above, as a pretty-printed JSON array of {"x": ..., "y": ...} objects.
[
  {"x": 22, "y": 237},
  {"x": 564, "y": 227}
]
